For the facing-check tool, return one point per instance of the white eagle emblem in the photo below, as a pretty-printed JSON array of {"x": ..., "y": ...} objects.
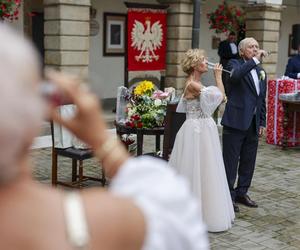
[{"x": 146, "y": 40}]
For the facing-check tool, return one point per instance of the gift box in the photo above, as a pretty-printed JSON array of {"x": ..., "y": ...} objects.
[{"x": 275, "y": 113}]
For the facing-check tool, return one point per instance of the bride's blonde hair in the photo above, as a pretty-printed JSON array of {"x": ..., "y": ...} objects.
[
  {"x": 21, "y": 108},
  {"x": 191, "y": 59}
]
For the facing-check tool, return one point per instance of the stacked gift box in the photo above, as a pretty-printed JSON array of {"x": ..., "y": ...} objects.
[{"x": 275, "y": 113}]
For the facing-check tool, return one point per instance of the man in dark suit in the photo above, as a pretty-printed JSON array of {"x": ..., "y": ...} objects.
[
  {"x": 244, "y": 119},
  {"x": 293, "y": 67},
  {"x": 227, "y": 50}
]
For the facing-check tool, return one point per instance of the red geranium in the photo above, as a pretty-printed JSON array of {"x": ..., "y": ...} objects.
[
  {"x": 9, "y": 9},
  {"x": 226, "y": 19},
  {"x": 134, "y": 122}
]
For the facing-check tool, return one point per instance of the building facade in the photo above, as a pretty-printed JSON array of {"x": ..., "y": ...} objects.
[{"x": 70, "y": 36}]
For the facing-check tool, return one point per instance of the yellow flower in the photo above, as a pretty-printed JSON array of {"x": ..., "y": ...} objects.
[{"x": 144, "y": 87}]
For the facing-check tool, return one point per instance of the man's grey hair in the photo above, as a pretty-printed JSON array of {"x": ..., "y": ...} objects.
[{"x": 243, "y": 44}]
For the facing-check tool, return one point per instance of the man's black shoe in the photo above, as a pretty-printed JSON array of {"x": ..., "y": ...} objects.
[
  {"x": 246, "y": 201},
  {"x": 235, "y": 207}
]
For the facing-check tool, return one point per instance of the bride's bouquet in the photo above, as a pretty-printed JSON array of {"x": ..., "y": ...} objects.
[{"x": 146, "y": 106}]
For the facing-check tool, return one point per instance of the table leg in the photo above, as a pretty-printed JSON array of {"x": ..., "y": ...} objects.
[
  {"x": 157, "y": 143},
  {"x": 140, "y": 139},
  {"x": 285, "y": 126}
]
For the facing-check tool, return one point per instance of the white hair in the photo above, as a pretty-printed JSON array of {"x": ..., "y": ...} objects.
[
  {"x": 244, "y": 43},
  {"x": 21, "y": 108}
]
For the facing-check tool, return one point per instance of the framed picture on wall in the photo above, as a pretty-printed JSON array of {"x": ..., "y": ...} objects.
[
  {"x": 114, "y": 32},
  {"x": 291, "y": 51}
]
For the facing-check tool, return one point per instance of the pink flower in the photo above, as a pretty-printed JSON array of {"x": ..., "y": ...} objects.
[{"x": 158, "y": 94}]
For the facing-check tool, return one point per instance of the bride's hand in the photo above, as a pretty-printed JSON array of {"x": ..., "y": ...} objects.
[{"x": 218, "y": 70}]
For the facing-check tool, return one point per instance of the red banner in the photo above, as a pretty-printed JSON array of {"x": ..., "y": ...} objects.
[{"x": 147, "y": 33}]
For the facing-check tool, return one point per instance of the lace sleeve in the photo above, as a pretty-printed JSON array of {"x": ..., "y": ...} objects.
[
  {"x": 210, "y": 98},
  {"x": 173, "y": 216},
  {"x": 181, "y": 107}
]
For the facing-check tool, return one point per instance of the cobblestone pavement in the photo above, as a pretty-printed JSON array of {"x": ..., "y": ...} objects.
[{"x": 275, "y": 224}]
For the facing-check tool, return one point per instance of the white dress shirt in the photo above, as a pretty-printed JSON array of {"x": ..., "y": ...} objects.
[
  {"x": 255, "y": 76},
  {"x": 233, "y": 48}
]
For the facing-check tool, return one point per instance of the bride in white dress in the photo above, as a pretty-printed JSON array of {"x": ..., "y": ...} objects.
[{"x": 197, "y": 151}]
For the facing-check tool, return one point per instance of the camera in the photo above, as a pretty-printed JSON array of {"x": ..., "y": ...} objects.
[{"x": 52, "y": 94}]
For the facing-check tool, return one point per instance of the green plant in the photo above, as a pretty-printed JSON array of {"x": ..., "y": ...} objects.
[
  {"x": 9, "y": 9},
  {"x": 227, "y": 18}
]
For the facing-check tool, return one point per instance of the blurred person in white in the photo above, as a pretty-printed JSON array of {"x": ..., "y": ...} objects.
[{"x": 147, "y": 206}]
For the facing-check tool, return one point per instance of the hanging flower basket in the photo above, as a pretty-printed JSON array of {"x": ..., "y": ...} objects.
[
  {"x": 9, "y": 9},
  {"x": 227, "y": 18}
]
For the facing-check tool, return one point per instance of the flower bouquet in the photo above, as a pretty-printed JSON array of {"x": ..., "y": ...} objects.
[{"x": 146, "y": 107}]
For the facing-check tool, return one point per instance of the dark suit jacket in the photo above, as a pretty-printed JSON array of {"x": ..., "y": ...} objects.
[
  {"x": 293, "y": 67},
  {"x": 243, "y": 98},
  {"x": 225, "y": 53}
]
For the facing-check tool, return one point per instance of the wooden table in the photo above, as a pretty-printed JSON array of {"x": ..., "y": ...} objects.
[
  {"x": 288, "y": 106},
  {"x": 140, "y": 132}
]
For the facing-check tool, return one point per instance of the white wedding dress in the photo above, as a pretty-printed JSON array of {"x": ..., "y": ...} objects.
[{"x": 197, "y": 155}]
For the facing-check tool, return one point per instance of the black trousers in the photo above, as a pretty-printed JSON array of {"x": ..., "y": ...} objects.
[{"x": 239, "y": 154}]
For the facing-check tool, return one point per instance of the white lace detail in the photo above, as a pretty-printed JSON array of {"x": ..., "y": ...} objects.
[
  {"x": 203, "y": 106},
  {"x": 211, "y": 97},
  {"x": 194, "y": 110}
]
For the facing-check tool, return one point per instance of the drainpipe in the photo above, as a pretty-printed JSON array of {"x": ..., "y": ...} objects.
[{"x": 196, "y": 24}]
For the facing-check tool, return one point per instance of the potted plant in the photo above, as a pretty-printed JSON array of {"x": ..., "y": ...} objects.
[
  {"x": 9, "y": 9},
  {"x": 227, "y": 18}
]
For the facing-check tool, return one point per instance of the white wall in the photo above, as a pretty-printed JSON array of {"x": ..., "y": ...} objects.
[
  {"x": 106, "y": 73},
  {"x": 206, "y": 36},
  {"x": 290, "y": 15}
]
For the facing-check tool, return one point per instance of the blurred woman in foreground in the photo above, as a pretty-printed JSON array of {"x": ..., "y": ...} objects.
[{"x": 146, "y": 207}]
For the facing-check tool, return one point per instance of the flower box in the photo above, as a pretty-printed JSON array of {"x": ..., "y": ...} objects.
[
  {"x": 9, "y": 9},
  {"x": 226, "y": 18},
  {"x": 275, "y": 113}
]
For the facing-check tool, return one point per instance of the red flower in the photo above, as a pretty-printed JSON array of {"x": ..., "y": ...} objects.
[
  {"x": 136, "y": 117},
  {"x": 31, "y": 14},
  {"x": 226, "y": 18},
  {"x": 130, "y": 124},
  {"x": 9, "y": 9}
]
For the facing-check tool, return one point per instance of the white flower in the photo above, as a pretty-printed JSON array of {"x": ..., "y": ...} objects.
[
  {"x": 157, "y": 102},
  {"x": 262, "y": 75},
  {"x": 130, "y": 112}
]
